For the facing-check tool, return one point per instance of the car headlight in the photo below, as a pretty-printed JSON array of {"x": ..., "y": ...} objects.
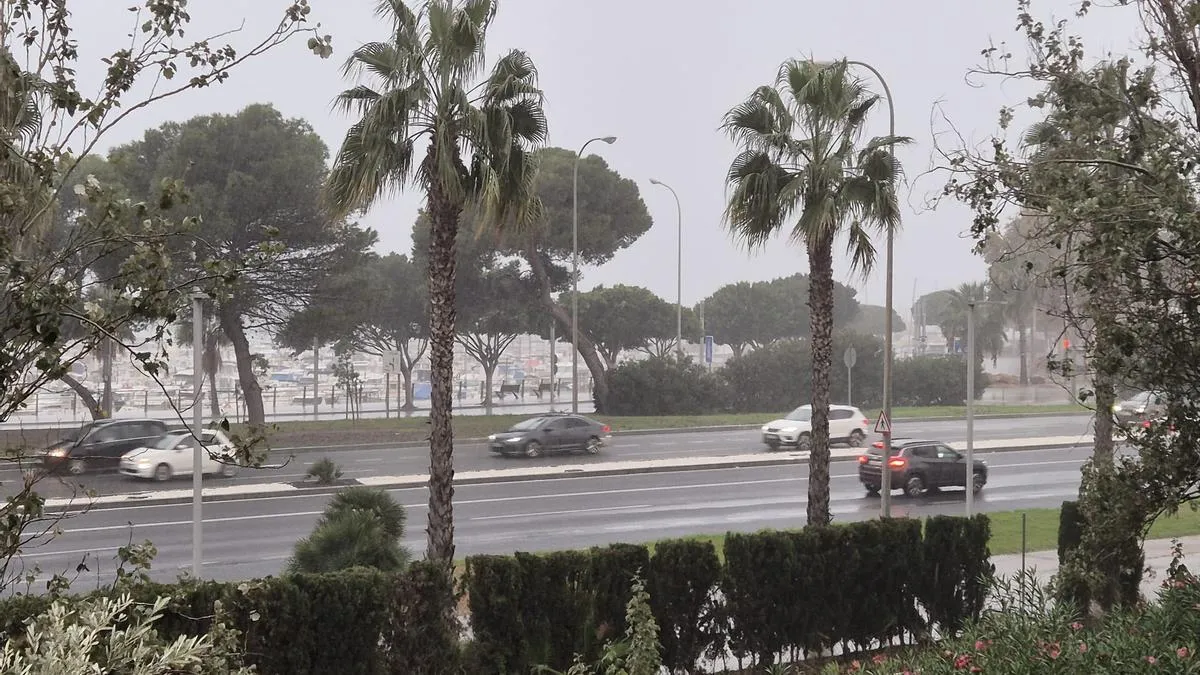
[
  {"x": 492, "y": 437},
  {"x": 1117, "y": 407},
  {"x": 57, "y": 452},
  {"x": 764, "y": 428}
]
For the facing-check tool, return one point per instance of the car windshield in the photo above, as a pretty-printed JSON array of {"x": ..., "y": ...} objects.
[
  {"x": 802, "y": 414},
  {"x": 1141, "y": 399},
  {"x": 168, "y": 441},
  {"x": 528, "y": 424}
]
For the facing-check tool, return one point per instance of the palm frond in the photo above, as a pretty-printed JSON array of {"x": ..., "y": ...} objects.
[
  {"x": 456, "y": 37},
  {"x": 860, "y": 248},
  {"x": 764, "y": 195}
]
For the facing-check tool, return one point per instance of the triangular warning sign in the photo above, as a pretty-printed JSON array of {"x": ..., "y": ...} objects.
[{"x": 883, "y": 425}]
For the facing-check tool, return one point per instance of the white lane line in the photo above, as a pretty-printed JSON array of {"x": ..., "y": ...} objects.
[{"x": 609, "y": 509}]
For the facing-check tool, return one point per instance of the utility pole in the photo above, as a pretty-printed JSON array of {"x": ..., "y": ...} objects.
[{"x": 197, "y": 434}]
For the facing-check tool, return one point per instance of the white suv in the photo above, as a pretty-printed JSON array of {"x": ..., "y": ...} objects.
[{"x": 847, "y": 424}]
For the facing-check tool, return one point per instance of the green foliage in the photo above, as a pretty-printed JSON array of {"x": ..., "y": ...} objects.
[
  {"x": 934, "y": 380},
  {"x": 611, "y": 568},
  {"x": 361, "y": 527},
  {"x": 663, "y": 386},
  {"x": 1070, "y": 529},
  {"x": 422, "y": 633},
  {"x": 628, "y": 318},
  {"x": 757, "y": 314},
  {"x": 779, "y": 376},
  {"x": 682, "y": 577},
  {"x": 957, "y": 572},
  {"x": 325, "y": 471},
  {"x": 493, "y": 584},
  {"x": 1038, "y": 637}
]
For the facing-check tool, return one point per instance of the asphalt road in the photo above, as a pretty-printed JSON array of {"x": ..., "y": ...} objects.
[
  {"x": 253, "y": 537},
  {"x": 472, "y": 456}
]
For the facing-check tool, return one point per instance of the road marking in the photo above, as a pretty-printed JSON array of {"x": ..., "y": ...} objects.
[{"x": 513, "y": 516}]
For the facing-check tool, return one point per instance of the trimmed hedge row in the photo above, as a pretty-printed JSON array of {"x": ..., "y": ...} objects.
[
  {"x": 776, "y": 591},
  {"x": 856, "y": 585},
  {"x": 308, "y": 623}
]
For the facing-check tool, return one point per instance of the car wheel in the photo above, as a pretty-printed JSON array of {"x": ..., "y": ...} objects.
[
  {"x": 857, "y": 439},
  {"x": 593, "y": 446},
  {"x": 772, "y": 447},
  {"x": 872, "y": 491},
  {"x": 162, "y": 473},
  {"x": 804, "y": 443},
  {"x": 77, "y": 467},
  {"x": 533, "y": 449},
  {"x": 914, "y": 486},
  {"x": 977, "y": 482}
]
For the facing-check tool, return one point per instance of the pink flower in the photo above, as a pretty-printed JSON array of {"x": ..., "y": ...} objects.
[
  {"x": 855, "y": 666},
  {"x": 1076, "y": 626},
  {"x": 879, "y": 659},
  {"x": 1182, "y": 652},
  {"x": 980, "y": 645},
  {"x": 962, "y": 661},
  {"x": 1151, "y": 660}
]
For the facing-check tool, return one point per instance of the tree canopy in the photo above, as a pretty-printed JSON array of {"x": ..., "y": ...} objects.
[
  {"x": 631, "y": 318},
  {"x": 255, "y": 180},
  {"x": 756, "y": 314}
]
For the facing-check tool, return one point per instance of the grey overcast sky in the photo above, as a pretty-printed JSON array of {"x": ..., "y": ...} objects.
[{"x": 659, "y": 74}]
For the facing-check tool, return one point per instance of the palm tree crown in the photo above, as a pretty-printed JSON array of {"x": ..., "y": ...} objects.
[
  {"x": 801, "y": 159},
  {"x": 421, "y": 86}
]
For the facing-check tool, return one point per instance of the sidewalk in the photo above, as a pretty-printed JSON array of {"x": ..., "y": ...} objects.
[{"x": 1158, "y": 556}]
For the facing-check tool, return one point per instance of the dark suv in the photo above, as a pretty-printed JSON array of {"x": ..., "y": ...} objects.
[
  {"x": 100, "y": 444},
  {"x": 918, "y": 466},
  {"x": 552, "y": 432}
]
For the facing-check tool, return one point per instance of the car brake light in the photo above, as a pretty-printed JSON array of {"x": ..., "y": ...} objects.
[
  {"x": 607, "y": 429},
  {"x": 863, "y": 459},
  {"x": 866, "y": 422},
  {"x": 897, "y": 462},
  {"x": 877, "y": 444}
]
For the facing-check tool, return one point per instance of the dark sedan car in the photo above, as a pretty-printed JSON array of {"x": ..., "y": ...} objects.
[
  {"x": 918, "y": 466},
  {"x": 100, "y": 444},
  {"x": 543, "y": 434}
]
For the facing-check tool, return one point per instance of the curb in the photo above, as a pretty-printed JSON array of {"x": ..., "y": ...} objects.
[
  {"x": 703, "y": 464},
  {"x": 672, "y": 430}
]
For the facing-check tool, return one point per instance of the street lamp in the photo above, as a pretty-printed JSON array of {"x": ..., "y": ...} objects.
[
  {"x": 197, "y": 432},
  {"x": 678, "y": 269},
  {"x": 575, "y": 273},
  {"x": 885, "y": 505},
  {"x": 971, "y": 400}
]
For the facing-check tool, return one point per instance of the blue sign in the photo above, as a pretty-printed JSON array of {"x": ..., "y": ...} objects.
[{"x": 708, "y": 348}]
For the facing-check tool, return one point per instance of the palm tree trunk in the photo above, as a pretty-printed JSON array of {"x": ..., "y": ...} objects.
[
  {"x": 443, "y": 234},
  {"x": 820, "y": 303},
  {"x": 587, "y": 348},
  {"x": 85, "y": 395},
  {"x": 231, "y": 324},
  {"x": 406, "y": 373}
]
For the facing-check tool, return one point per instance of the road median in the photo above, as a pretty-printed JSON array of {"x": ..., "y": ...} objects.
[{"x": 528, "y": 473}]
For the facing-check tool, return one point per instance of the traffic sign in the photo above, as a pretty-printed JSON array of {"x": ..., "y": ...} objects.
[
  {"x": 391, "y": 362},
  {"x": 708, "y": 349},
  {"x": 883, "y": 425},
  {"x": 850, "y": 357}
]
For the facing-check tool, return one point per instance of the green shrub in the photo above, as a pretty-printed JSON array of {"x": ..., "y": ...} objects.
[
  {"x": 760, "y": 571},
  {"x": 934, "y": 380},
  {"x": 1070, "y": 529},
  {"x": 494, "y": 591},
  {"x": 1042, "y": 638},
  {"x": 361, "y": 527},
  {"x": 663, "y": 386},
  {"x": 556, "y": 605},
  {"x": 325, "y": 471},
  {"x": 421, "y": 636},
  {"x": 682, "y": 577},
  {"x": 611, "y": 568},
  {"x": 958, "y": 570}
]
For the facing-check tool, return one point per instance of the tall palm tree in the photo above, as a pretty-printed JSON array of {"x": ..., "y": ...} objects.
[
  {"x": 422, "y": 86},
  {"x": 212, "y": 340},
  {"x": 803, "y": 163}
]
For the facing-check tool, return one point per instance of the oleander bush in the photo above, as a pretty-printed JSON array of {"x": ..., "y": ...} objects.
[{"x": 1040, "y": 637}]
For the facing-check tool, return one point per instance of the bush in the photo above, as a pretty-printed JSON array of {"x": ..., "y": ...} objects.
[
  {"x": 494, "y": 591},
  {"x": 1040, "y": 638},
  {"x": 325, "y": 471},
  {"x": 361, "y": 527},
  {"x": 958, "y": 570},
  {"x": 682, "y": 577},
  {"x": 662, "y": 386},
  {"x": 555, "y": 606},
  {"x": 421, "y": 636},
  {"x": 934, "y": 380}
]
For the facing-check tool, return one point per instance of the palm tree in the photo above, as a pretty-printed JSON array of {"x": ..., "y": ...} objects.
[
  {"x": 361, "y": 527},
  {"x": 990, "y": 316},
  {"x": 421, "y": 86},
  {"x": 212, "y": 340},
  {"x": 802, "y": 161}
]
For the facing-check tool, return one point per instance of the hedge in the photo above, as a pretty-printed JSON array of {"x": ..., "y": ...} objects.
[
  {"x": 855, "y": 586},
  {"x": 779, "y": 376}
]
